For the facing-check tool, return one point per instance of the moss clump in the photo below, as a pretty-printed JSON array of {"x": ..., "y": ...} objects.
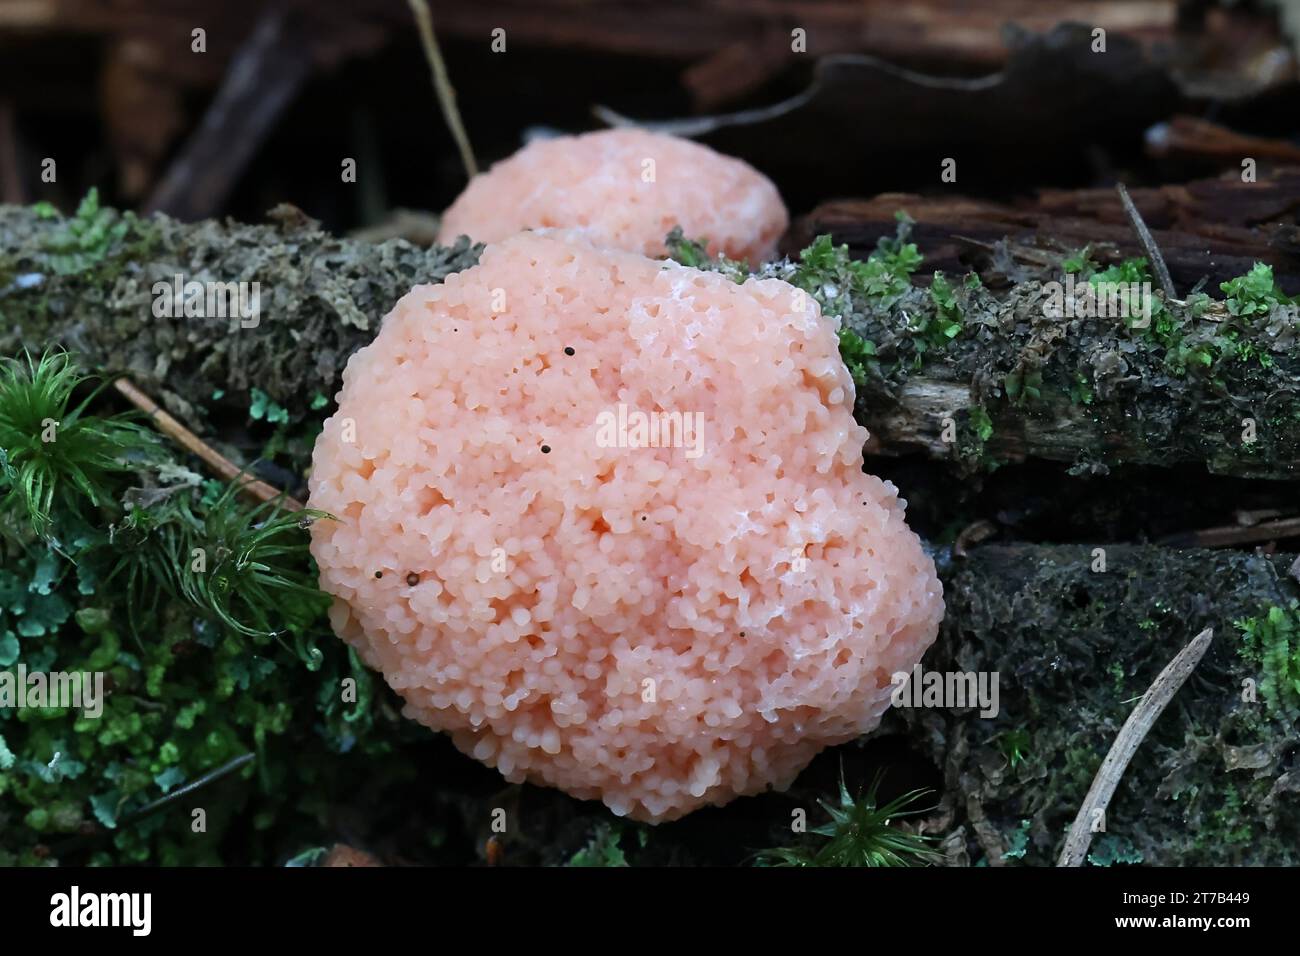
[
  {"x": 89, "y": 284},
  {"x": 859, "y": 833},
  {"x": 52, "y": 455},
  {"x": 1254, "y": 294},
  {"x": 93, "y": 237},
  {"x": 1271, "y": 642},
  {"x": 199, "y": 613},
  {"x": 604, "y": 849}
]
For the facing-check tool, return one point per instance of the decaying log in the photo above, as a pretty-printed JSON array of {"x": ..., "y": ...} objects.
[
  {"x": 322, "y": 297},
  {"x": 1193, "y": 138},
  {"x": 1108, "y": 393}
]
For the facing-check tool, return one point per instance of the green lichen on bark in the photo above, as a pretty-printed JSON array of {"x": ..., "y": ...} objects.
[{"x": 1214, "y": 783}]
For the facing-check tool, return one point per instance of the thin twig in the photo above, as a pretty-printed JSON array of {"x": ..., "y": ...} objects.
[
  {"x": 226, "y": 768},
  {"x": 1131, "y": 735},
  {"x": 191, "y": 442},
  {"x": 442, "y": 85},
  {"x": 72, "y": 843},
  {"x": 1148, "y": 242}
]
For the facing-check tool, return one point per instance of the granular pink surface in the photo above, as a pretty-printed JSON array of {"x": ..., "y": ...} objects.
[
  {"x": 597, "y": 182},
  {"x": 658, "y": 627}
]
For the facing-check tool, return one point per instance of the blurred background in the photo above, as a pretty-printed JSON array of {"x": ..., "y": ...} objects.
[{"x": 200, "y": 108}]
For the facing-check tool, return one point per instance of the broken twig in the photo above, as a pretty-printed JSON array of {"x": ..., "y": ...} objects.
[
  {"x": 97, "y": 830},
  {"x": 1148, "y": 243},
  {"x": 191, "y": 442},
  {"x": 211, "y": 776},
  {"x": 1130, "y": 737}
]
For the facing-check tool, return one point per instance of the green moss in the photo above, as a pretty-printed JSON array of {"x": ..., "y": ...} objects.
[
  {"x": 53, "y": 455},
  {"x": 1116, "y": 671},
  {"x": 1109, "y": 850},
  {"x": 859, "y": 833},
  {"x": 264, "y": 408},
  {"x": 1271, "y": 642},
  {"x": 1018, "y": 842},
  {"x": 602, "y": 849},
  {"x": 1227, "y": 820},
  {"x": 1254, "y": 294},
  {"x": 93, "y": 286},
  {"x": 975, "y": 429},
  {"x": 1015, "y": 745},
  {"x": 94, "y": 236},
  {"x": 858, "y": 354},
  {"x": 946, "y": 323},
  {"x": 1079, "y": 263},
  {"x": 121, "y": 595},
  {"x": 695, "y": 253},
  {"x": 1165, "y": 390},
  {"x": 1081, "y": 392}
]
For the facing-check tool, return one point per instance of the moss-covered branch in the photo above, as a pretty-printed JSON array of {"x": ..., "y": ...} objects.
[
  {"x": 1083, "y": 364},
  {"x": 90, "y": 282},
  {"x": 947, "y": 367},
  {"x": 1201, "y": 386}
]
